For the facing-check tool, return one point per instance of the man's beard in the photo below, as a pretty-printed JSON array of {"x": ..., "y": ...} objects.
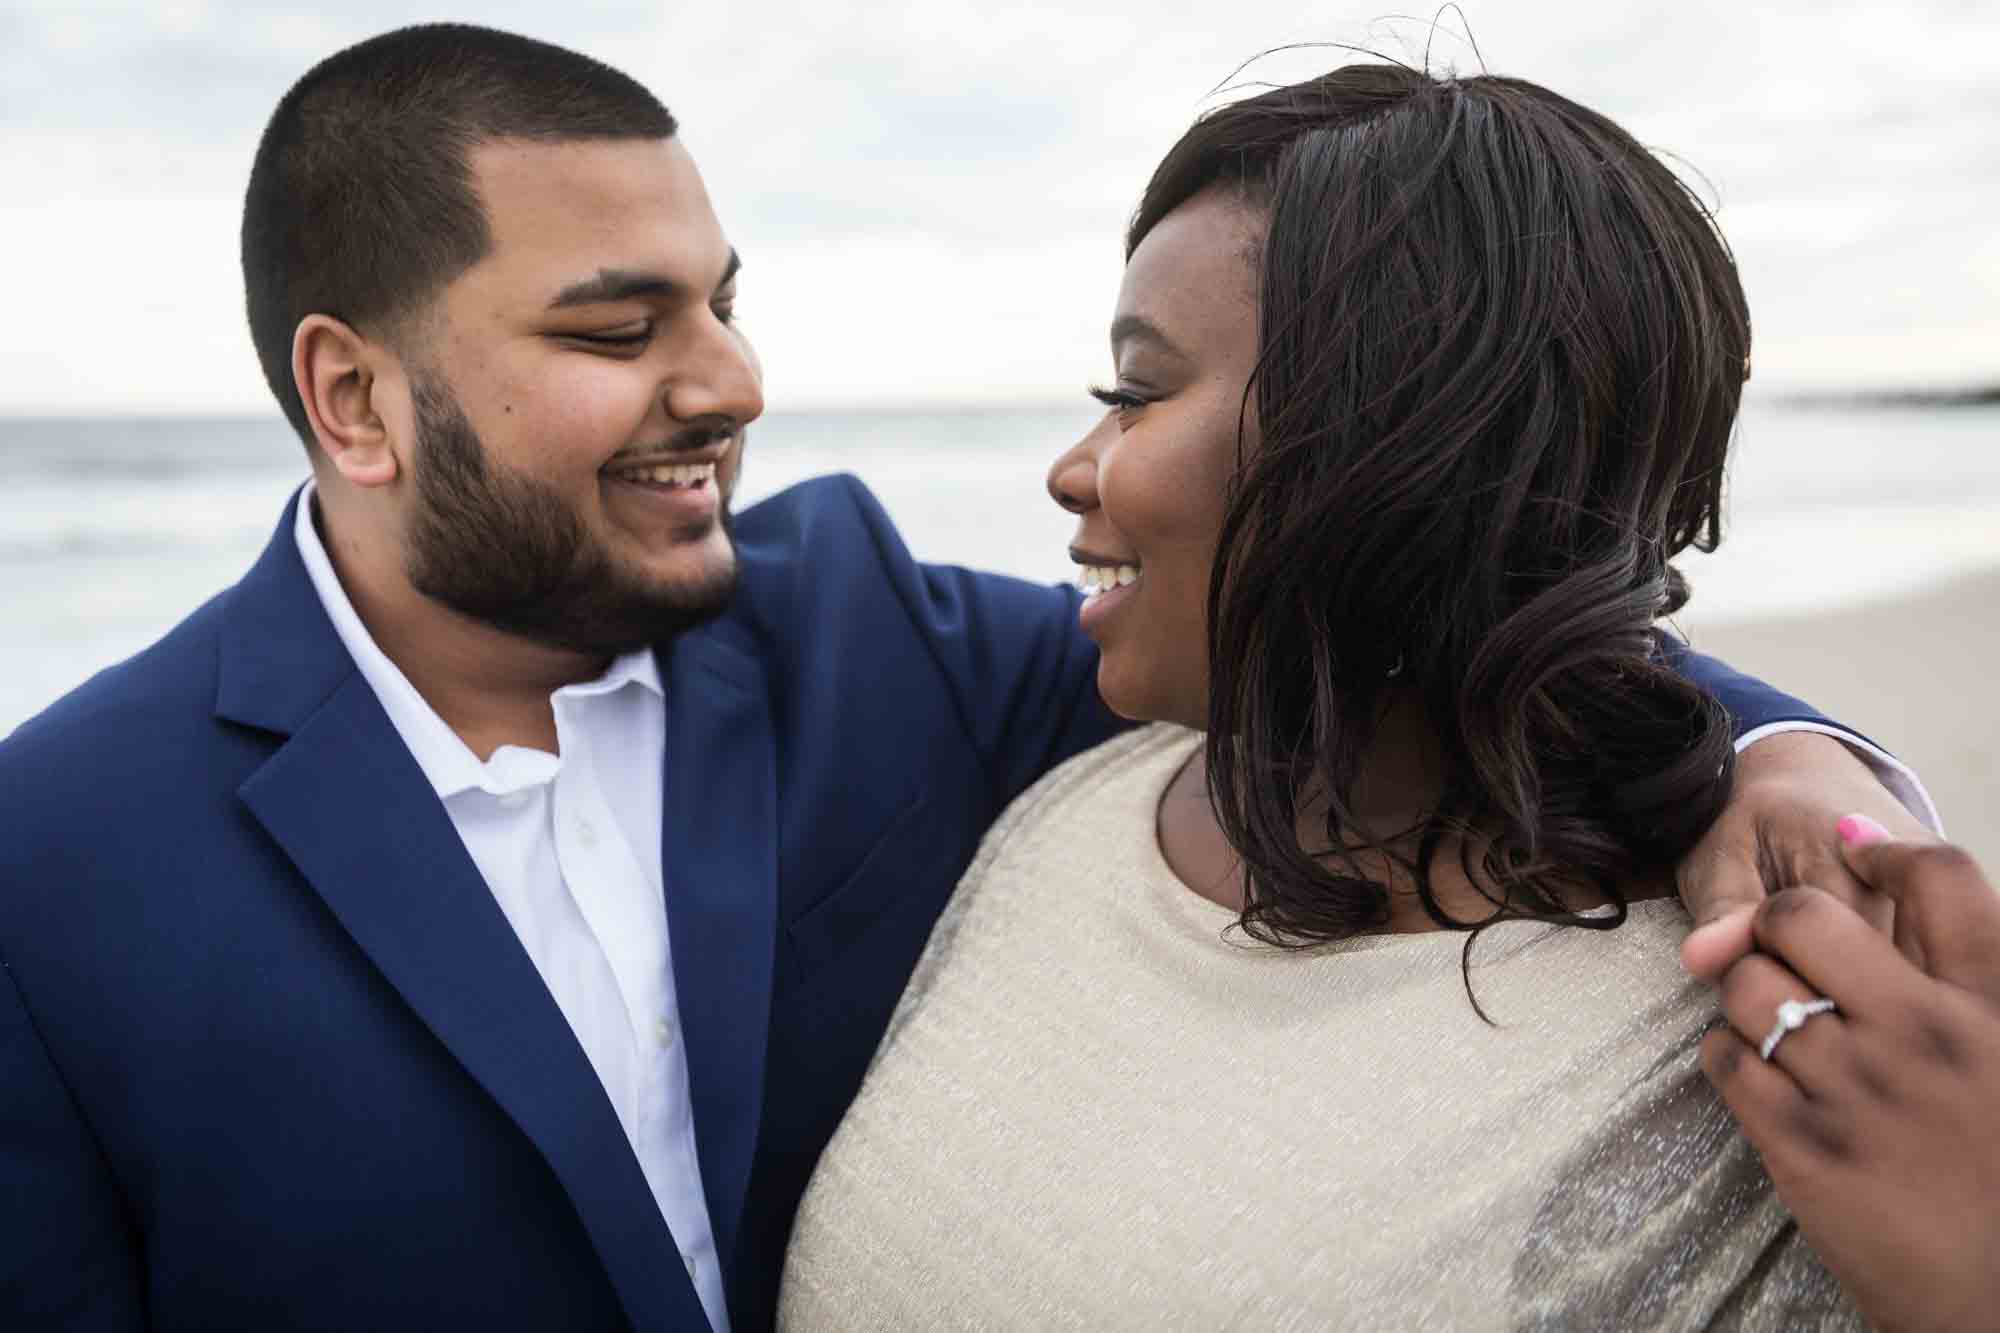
[{"x": 506, "y": 549}]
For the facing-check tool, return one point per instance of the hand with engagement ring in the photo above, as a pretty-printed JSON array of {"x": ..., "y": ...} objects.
[{"x": 1870, "y": 1083}]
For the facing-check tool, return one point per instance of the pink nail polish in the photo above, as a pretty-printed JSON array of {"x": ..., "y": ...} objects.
[{"x": 1861, "y": 831}]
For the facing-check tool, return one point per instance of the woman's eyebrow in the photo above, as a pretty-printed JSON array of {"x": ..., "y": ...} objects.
[
  {"x": 1130, "y": 328},
  {"x": 626, "y": 284}
]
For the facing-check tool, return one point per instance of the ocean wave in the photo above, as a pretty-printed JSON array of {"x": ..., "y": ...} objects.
[
  {"x": 109, "y": 450},
  {"x": 124, "y": 545},
  {"x": 145, "y": 469}
]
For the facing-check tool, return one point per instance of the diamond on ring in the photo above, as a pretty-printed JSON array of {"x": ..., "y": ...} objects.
[{"x": 1792, "y": 1016}]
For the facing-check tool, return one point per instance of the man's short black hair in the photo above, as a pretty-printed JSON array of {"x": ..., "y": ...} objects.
[{"x": 361, "y": 203}]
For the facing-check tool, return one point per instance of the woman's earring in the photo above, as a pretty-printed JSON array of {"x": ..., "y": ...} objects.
[{"x": 1397, "y": 669}]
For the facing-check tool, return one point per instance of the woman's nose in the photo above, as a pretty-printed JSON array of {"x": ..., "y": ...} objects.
[{"x": 1073, "y": 476}]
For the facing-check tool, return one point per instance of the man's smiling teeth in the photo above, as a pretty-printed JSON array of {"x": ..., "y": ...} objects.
[
  {"x": 673, "y": 474},
  {"x": 1102, "y": 578}
]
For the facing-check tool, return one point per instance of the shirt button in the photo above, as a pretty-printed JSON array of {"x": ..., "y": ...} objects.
[
  {"x": 663, "y": 1032},
  {"x": 688, "y": 1259},
  {"x": 586, "y": 832}
]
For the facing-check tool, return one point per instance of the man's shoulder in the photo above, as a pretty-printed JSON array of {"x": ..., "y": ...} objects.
[
  {"x": 822, "y": 543},
  {"x": 829, "y": 537},
  {"x": 823, "y": 560},
  {"x": 824, "y": 517},
  {"x": 147, "y": 700}
]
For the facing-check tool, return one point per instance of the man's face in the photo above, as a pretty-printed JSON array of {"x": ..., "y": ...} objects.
[{"x": 580, "y": 402}]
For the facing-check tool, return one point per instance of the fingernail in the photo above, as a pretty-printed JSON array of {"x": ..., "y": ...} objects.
[
  {"x": 1861, "y": 831},
  {"x": 1702, "y": 933},
  {"x": 1727, "y": 921}
]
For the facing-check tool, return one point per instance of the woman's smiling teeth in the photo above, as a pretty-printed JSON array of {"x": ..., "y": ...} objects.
[
  {"x": 1102, "y": 578},
  {"x": 670, "y": 474}
]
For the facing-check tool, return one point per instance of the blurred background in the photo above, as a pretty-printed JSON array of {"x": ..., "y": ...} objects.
[{"x": 929, "y": 200}]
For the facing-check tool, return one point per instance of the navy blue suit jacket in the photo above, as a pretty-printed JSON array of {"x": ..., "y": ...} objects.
[{"x": 271, "y": 1056}]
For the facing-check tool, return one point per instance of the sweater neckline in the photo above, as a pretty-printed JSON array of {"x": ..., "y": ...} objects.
[{"x": 1215, "y": 924}]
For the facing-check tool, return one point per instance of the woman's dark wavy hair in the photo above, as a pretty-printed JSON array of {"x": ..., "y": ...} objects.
[{"x": 1501, "y": 349}]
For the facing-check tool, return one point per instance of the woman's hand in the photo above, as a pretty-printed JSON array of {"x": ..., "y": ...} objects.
[
  {"x": 1879, "y": 1122},
  {"x": 1789, "y": 791}
]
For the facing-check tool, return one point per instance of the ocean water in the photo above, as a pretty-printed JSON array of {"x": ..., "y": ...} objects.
[{"x": 112, "y": 529}]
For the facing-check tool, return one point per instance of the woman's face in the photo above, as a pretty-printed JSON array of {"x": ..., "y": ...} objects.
[{"x": 1147, "y": 484}]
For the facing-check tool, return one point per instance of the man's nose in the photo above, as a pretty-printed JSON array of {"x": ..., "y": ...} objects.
[{"x": 723, "y": 379}]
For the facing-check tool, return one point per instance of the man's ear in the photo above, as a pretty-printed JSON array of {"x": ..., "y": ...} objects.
[{"x": 336, "y": 371}]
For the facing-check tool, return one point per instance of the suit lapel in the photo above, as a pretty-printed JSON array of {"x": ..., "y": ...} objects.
[
  {"x": 720, "y": 868},
  {"x": 348, "y": 804}
]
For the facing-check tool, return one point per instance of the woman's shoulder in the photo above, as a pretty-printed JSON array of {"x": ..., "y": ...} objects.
[
  {"x": 1109, "y": 784},
  {"x": 1079, "y": 824},
  {"x": 1124, "y": 757}
]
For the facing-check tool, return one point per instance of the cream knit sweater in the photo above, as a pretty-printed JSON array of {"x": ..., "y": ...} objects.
[{"x": 1096, "y": 1108}]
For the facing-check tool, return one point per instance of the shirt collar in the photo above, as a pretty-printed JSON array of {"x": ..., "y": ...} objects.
[
  {"x": 639, "y": 668},
  {"x": 448, "y": 763}
]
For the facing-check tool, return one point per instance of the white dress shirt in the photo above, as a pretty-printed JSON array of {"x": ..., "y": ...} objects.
[{"x": 570, "y": 846}]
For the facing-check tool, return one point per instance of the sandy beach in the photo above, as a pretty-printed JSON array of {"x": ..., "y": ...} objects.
[{"x": 1911, "y": 673}]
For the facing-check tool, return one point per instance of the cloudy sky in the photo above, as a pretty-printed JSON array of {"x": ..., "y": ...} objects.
[{"x": 929, "y": 195}]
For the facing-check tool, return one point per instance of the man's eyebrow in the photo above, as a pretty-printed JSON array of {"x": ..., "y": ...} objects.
[
  {"x": 1127, "y": 328},
  {"x": 625, "y": 284}
]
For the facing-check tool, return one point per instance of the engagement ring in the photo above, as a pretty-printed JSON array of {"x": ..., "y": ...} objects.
[{"x": 1792, "y": 1016}]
